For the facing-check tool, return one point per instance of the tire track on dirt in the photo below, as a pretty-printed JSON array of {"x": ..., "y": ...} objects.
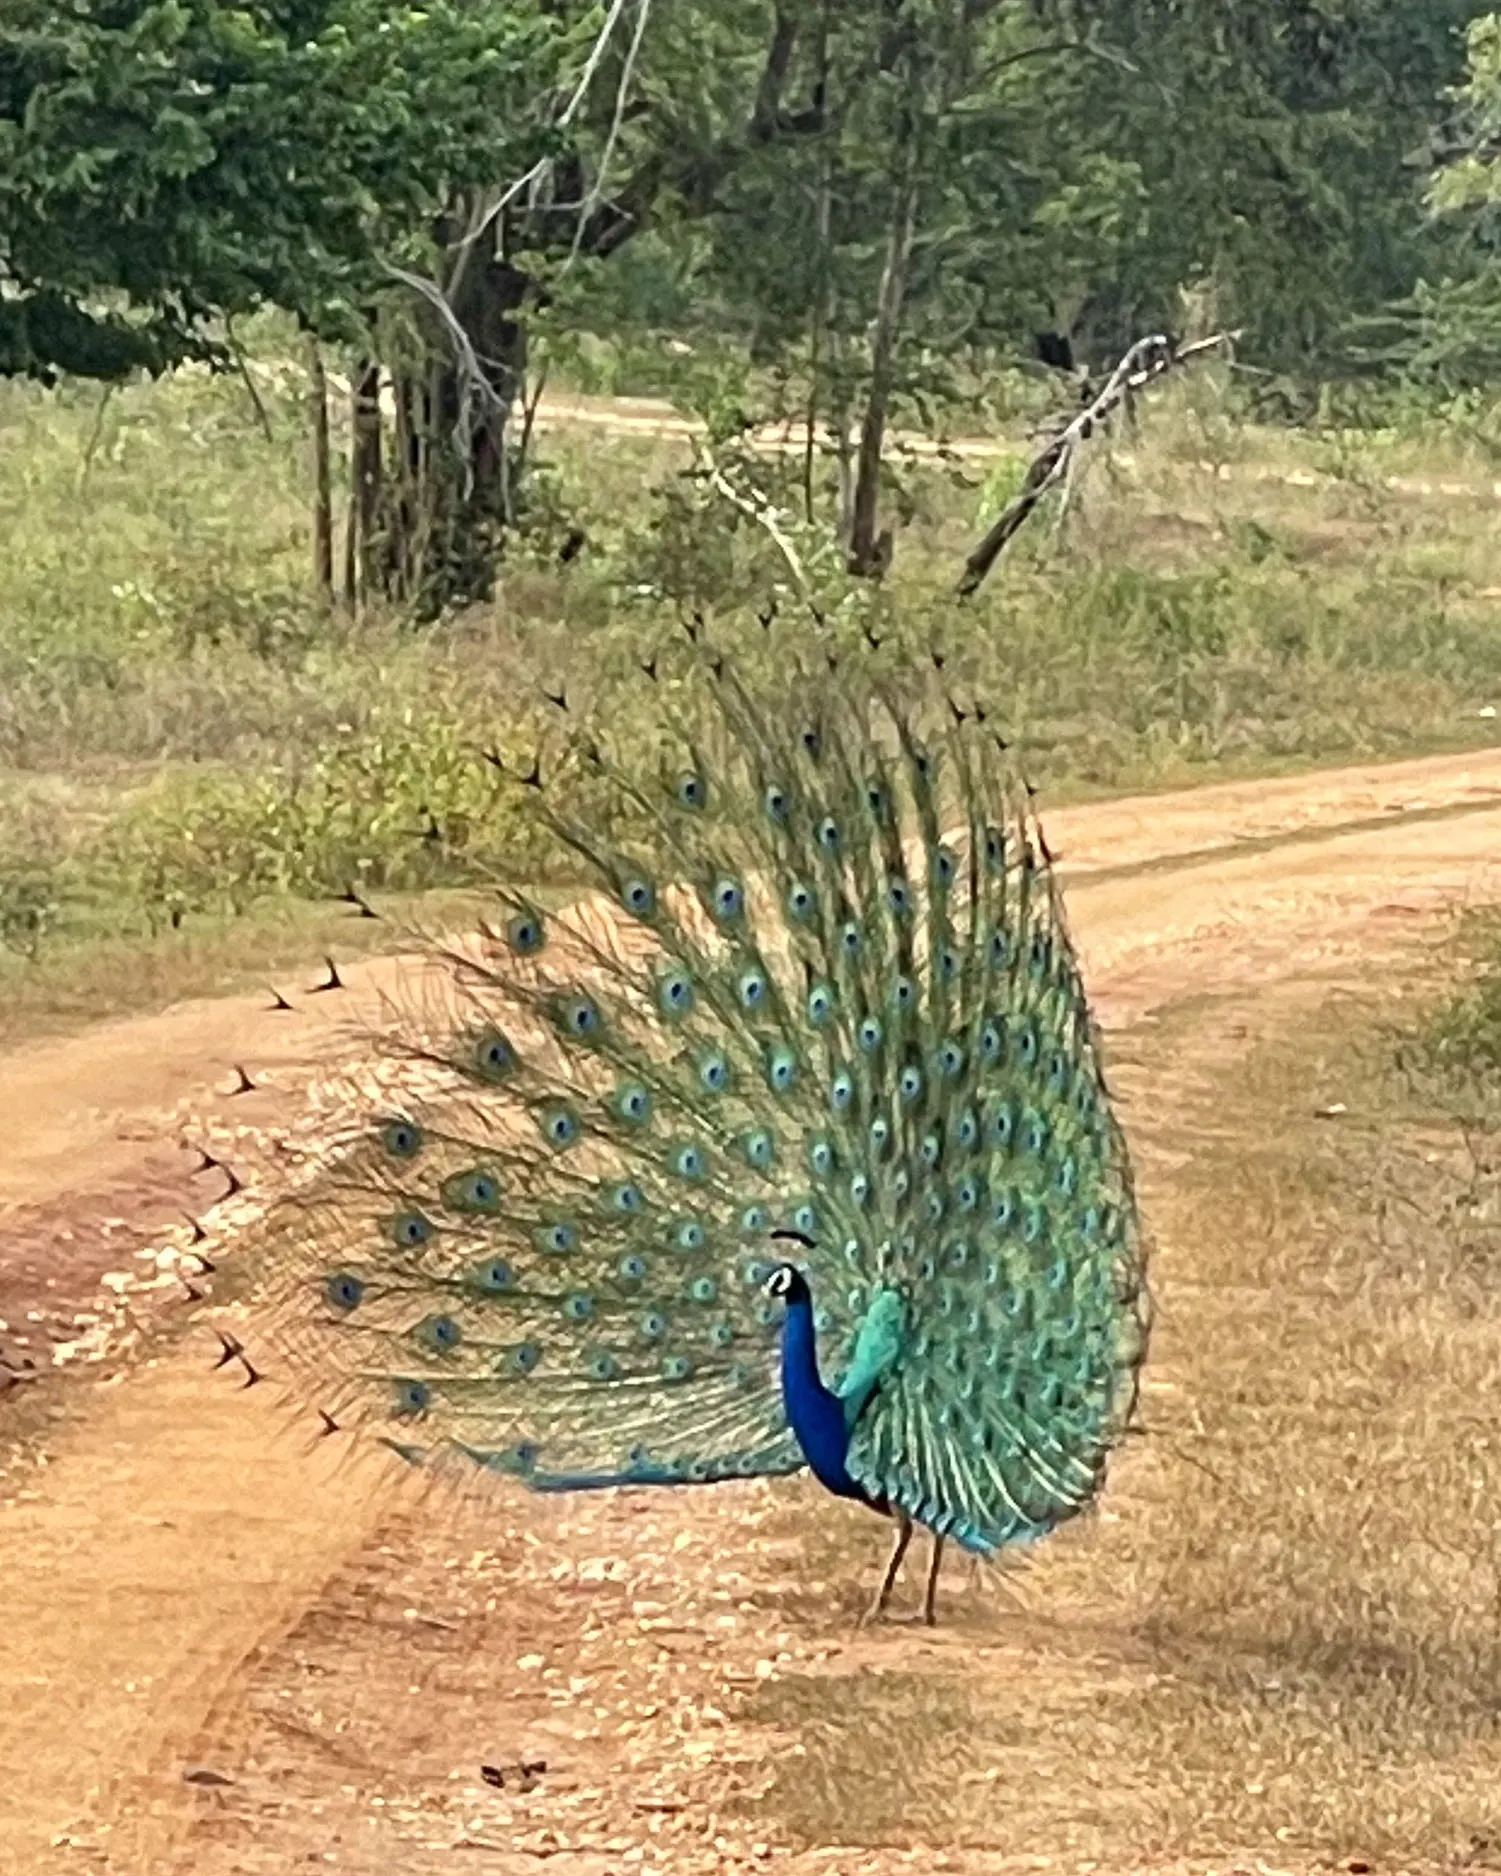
[{"x": 177, "y": 1537}]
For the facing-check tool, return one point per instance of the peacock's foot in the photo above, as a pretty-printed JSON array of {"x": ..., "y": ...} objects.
[{"x": 881, "y": 1611}]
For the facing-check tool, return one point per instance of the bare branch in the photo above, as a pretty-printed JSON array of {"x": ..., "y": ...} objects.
[
  {"x": 529, "y": 405},
  {"x": 95, "y": 433},
  {"x": 758, "y": 508},
  {"x": 595, "y": 192},
  {"x": 529, "y": 182},
  {"x": 1148, "y": 359},
  {"x": 591, "y": 64},
  {"x": 237, "y": 353},
  {"x": 1091, "y": 47}
]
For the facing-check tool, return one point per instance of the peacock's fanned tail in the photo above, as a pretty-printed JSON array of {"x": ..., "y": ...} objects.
[{"x": 822, "y": 982}]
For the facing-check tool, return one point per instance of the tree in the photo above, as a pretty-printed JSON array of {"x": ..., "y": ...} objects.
[
  {"x": 857, "y": 191},
  {"x": 167, "y": 163},
  {"x": 662, "y": 111},
  {"x": 1449, "y": 330},
  {"x": 977, "y": 170},
  {"x": 953, "y": 189},
  {"x": 1292, "y": 174}
]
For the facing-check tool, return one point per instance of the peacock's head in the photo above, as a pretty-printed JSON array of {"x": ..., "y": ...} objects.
[{"x": 787, "y": 1282}]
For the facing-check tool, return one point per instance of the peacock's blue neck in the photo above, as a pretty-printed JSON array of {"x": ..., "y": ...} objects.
[{"x": 815, "y": 1414}]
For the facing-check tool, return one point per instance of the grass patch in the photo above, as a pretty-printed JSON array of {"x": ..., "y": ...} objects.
[
  {"x": 79, "y": 981},
  {"x": 1289, "y": 1631}
]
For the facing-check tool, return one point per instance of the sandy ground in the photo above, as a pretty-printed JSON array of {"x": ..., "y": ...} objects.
[{"x": 230, "y": 1648}]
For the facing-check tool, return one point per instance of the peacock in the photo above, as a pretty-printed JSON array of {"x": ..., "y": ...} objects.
[{"x": 784, "y": 1144}]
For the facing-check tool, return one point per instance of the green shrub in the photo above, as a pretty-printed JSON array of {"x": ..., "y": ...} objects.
[
  {"x": 402, "y": 804},
  {"x": 30, "y": 899},
  {"x": 1467, "y": 1033}
]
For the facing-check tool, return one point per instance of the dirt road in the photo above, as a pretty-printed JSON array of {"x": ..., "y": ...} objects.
[
  {"x": 229, "y": 1649},
  {"x": 657, "y": 418}
]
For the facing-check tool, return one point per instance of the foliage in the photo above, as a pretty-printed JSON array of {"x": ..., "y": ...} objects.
[
  {"x": 1446, "y": 334},
  {"x": 402, "y": 805},
  {"x": 1290, "y": 178},
  {"x": 30, "y": 892},
  {"x": 164, "y": 163},
  {"x": 1471, "y": 181},
  {"x": 1048, "y": 193},
  {"x": 1466, "y": 1037}
]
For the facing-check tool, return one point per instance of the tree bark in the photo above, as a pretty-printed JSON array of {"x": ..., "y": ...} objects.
[
  {"x": 323, "y": 500},
  {"x": 365, "y": 477},
  {"x": 867, "y": 553},
  {"x": 352, "y": 521},
  {"x": 822, "y": 322},
  {"x": 451, "y": 492}
]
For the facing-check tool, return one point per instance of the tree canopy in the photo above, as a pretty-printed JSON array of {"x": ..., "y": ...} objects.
[
  {"x": 164, "y": 163},
  {"x": 856, "y": 191}
]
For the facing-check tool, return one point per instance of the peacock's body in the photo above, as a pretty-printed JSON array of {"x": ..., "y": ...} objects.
[{"x": 787, "y": 1146}]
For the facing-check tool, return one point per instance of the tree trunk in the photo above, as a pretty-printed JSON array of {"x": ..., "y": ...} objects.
[
  {"x": 450, "y": 490},
  {"x": 352, "y": 519},
  {"x": 867, "y": 553},
  {"x": 365, "y": 475},
  {"x": 844, "y": 473},
  {"x": 403, "y": 503},
  {"x": 323, "y": 500},
  {"x": 822, "y": 321}
]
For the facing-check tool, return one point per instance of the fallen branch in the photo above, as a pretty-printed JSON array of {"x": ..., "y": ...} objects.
[{"x": 1148, "y": 359}]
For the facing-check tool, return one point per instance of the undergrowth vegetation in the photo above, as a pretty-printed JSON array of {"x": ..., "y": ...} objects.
[
  {"x": 1465, "y": 1043},
  {"x": 187, "y": 731}
]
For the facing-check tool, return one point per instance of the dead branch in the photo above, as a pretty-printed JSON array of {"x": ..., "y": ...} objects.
[
  {"x": 243, "y": 369},
  {"x": 476, "y": 391},
  {"x": 1147, "y": 360},
  {"x": 500, "y": 199},
  {"x": 95, "y": 434},
  {"x": 530, "y": 400},
  {"x": 594, "y": 195},
  {"x": 757, "y": 507}
]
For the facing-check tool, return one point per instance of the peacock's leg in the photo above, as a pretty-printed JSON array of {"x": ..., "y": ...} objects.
[
  {"x": 930, "y": 1598},
  {"x": 899, "y": 1550}
]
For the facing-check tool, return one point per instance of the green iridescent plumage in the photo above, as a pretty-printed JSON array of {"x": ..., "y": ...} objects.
[{"x": 822, "y": 984}]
